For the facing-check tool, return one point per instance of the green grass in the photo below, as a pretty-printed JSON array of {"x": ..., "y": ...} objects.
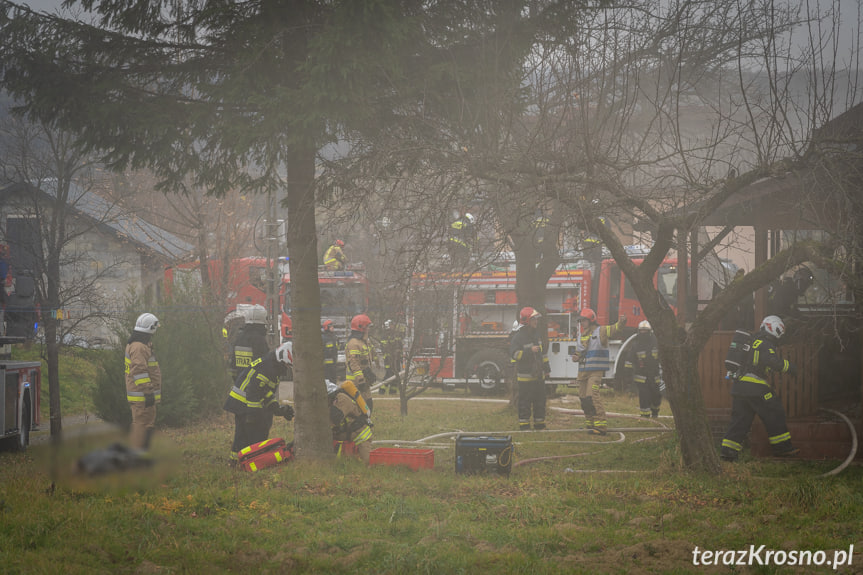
[
  {"x": 575, "y": 511},
  {"x": 77, "y": 377}
]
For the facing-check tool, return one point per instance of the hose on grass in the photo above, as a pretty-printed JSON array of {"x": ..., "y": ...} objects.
[{"x": 853, "y": 452}]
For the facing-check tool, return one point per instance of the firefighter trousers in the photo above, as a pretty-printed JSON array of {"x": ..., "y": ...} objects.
[
  {"x": 531, "y": 400},
  {"x": 649, "y": 397},
  {"x": 250, "y": 428},
  {"x": 143, "y": 422},
  {"x": 589, "y": 384},
  {"x": 769, "y": 408}
]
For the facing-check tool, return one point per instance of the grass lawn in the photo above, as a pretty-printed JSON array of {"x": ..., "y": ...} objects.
[{"x": 572, "y": 504}]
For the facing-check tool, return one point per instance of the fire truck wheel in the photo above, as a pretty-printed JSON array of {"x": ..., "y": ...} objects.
[
  {"x": 26, "y": 422},
  {"x": 487, "y": 366}
]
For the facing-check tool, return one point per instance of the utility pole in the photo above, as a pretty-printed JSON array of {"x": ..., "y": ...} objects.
[{"x": 272, "y": 240}]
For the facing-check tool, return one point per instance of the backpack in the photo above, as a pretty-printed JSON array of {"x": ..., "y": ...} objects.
[{"x": 737, "y": 358}]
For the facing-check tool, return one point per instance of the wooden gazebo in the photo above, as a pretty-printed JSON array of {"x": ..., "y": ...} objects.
[{"x": 825, "y": 343}]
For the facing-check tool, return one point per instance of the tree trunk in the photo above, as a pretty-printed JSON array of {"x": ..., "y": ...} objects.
[
  {"x": 49, "y": 327},
  {"x": 312, "y": 434},
  {"x": 680, "y": 373}
]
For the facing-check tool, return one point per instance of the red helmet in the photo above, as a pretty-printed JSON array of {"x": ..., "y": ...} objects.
[
  {"x": 587, "y": 314},
  {"x": 526, "y": 314},
  {"x": 327, "y": 325},
  {"x": 340, "y": 243},
  {"x": 360, "y": 322}
]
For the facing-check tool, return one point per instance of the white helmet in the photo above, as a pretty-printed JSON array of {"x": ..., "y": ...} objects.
[
  {"x": 644, "y": 324},
  {"x": 257, "y": 314},
  {"x": 470, "y": 218},
  {"x": 388, "y": 324},
  {"x": 285, "y": 353},
  {"x": 147, "y": 323},
  {"x": 773, "y": 325}
]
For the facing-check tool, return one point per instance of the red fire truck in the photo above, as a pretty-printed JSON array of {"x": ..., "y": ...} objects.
[
  {"x": 344, "y": 294},
  {"x": 460, "y": 323},
  {"x": 20, "y": 386}
]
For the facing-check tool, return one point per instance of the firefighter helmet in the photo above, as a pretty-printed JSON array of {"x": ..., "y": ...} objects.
[
  {"x": 526, "y": 314},
  {"x": 340, "y": 243},
  {"x": 587, "y": 314},
  {"x": 773, "y": 325},
  {"x": 285, "y": 353},
  {"x": 361, "y": 322},
  {"x": 327, "y": 325},
  {"x": 388, "y": 324},
  {"x": 256, "y": 314},
  {"x": 147, "y": 323},
  {"x": 644, "y": 325},
  {"x": 470, "y": 218}
]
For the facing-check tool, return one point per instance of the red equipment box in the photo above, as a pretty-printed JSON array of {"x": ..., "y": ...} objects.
[{"x": 413, "y": 458}]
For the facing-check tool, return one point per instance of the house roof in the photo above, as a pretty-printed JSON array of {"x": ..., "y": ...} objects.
[{"x": 115, "y": 219}]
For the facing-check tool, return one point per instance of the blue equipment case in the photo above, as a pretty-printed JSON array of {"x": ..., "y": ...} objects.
[{"x": 483, "y": 454}]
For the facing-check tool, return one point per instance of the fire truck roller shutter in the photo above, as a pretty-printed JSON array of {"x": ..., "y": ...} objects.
[{"x": 488, "y": 366}]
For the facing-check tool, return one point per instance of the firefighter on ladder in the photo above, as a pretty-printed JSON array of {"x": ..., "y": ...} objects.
[
  {"x": 461, "y": 238},
  {"x": 253, "y": 399},
  {"x": 752, "y": 395},
  {"x": 531, "y": 366},
  {"x": 593, "y": 361},
  {"x": 334, "y": 257},
  {"x": 143, "y": 381}
]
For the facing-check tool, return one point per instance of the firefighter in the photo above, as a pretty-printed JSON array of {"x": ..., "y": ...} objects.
[
  {"x": 751, "y": 395},
  {"x": 461, "y": 239},
  {"x": 642, "y": 357},
  {"x": 392, "y": 343},
  {"x": 253, "y": 399},
  {"x": 334, "y": 257},
  {"x": 331, "y": 350},
  {"x": 531, "y": 366},
  {"x": 359, "y": 356},
  {"x": 349, "y": 418},
  {"x": 251, "y": 342},
  {"x": 143, "y": 381},
  {"x": 593, "y": 361}
]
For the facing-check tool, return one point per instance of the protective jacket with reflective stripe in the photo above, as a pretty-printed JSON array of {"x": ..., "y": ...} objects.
[
  {"x": 255, "y": 387},
  {"x": 529, "y": 365},
  {"x": 331, "y": 347},
  {"x": 143, "y": 375},
  {"x": 764, "y": 359},
  {"x": 593, "y": 347}
]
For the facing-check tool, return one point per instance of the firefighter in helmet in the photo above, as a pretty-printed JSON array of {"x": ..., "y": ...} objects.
[
  {"x": 359, "y": 356},
  {"x": 751, "y": 395},
  {"x": 253, "y": 399},
  {"x": 331, "y": 350},
  {"x": 531, "y": 366},
  {"x": 349, "y": 418},
  {"x": 462, "y": 235},
  {"x": 334, "y": 257},
  {"x": 642, "y": 357},
  {"x": 251, "y": 342},
  {"x": 143, "y": 381},
  {"x": 593, "y": 361}
]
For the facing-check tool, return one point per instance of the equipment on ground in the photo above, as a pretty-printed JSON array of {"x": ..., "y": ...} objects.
[
  {"x": 265, "y": 454},
  {"x": 483, "y": 454}
]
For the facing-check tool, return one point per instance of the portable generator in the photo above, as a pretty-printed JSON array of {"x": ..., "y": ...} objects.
[{"x": 483, "y": 454}]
